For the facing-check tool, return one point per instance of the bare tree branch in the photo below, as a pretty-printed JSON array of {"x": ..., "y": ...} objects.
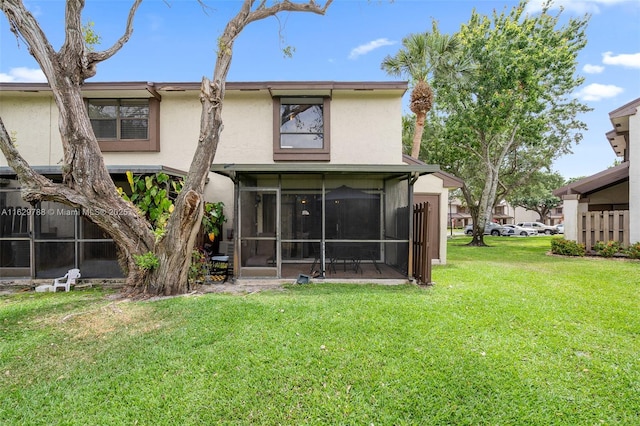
[
  {"x": 95, "y": 57},
  {"x": 23, "y": 24}
]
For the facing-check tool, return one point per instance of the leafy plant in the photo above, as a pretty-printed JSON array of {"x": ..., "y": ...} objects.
[
  {"x": 567, "y": 247},
  {"x": 148, "y": 261},
  {"x": 91, "y": 37},
  {"x": 213, "y": 219},
  {"x": 152, "y": 194},
  {"x": 198, "y": 268},
  {"x": 633, "y": 251},
  {"x": 607, "y": 249}
]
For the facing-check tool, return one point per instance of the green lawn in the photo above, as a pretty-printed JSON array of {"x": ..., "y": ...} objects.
[{"x": 507, "y": 336}]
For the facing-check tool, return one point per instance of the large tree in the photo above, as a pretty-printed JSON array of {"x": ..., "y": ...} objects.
[
  {"x": 422, "y": 57},
  {"x": 514, "y": 113},
  {"x": 86, "y": 181},
  {"x": 537, "y": 193}
]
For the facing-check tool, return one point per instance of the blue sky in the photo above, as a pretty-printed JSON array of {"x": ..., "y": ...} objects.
[{"x": 175, "y": 40}]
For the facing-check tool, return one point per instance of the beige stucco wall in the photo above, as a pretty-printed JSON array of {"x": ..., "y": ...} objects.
[
  {"x": 616, "y": 194},
  {"x": 520, "y": 214},
  {"x": 634, "y": 177},
  {"x": 33, "y": 120},
  {"x": 365, "y": 128},
  {"x": 432, "y": 185}
]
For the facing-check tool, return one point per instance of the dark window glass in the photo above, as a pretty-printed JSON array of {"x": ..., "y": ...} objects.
[
  {"x": 99, "y": 260},
  {"x": 54, "y": 259},
  {"x": 119, "y": 119},
  {"x": 301, "y": 123}
]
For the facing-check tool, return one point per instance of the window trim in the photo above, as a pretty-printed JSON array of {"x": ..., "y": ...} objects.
[
  {"x": 151, "y": 144},
  {"x": 302, "y": 154}
]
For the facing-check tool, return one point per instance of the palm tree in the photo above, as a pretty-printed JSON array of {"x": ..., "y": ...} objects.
[{"x": 423, "y": 56}]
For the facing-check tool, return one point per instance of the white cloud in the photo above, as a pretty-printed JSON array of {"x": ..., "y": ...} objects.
[
  {"x": 593, "y": 69},
  {"x": 597, "y": 92},
  {"x": 576, "y": 6},
  {"x": 23, "y": 75},
  {"x": 363, "y": 49},
  {"x": 629, "y": 60}
]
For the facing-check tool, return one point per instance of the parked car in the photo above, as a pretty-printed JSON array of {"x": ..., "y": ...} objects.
[
  {"x": 509, "y": 230},
  {"x": 560, "y": 228},
  {"x": 540, "y": 227},
  {"x": 491, "y": 228}
]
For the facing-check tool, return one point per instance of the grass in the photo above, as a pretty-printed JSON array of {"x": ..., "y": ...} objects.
[{"x": 508, "y": 335}]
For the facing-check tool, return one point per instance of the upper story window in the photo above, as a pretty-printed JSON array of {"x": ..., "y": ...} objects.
[
  {"x": 125, "y": 124},
  {"x": 301, "y": 128}
]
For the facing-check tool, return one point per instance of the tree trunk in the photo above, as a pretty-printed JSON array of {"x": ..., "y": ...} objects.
[
  {"x": 86, "y": 180},
  {"x": 417, "y": 134},
  {"x": 175, "y": 249},
  {"x": 485, "y": 205}
]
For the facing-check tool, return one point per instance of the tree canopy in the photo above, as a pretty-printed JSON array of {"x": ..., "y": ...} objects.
[
  {"x": 422, "y": 57},
  {"x": 514, "y": 112},
  {"x": 537, "y": 193}
]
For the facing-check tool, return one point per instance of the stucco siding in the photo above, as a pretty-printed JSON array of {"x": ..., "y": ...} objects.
[
  {"x": 247, "y": 136},
  {"x": 430, "y": 184},
  {"x": 366, "y": 129},
  {"x": 634, "y": 176},
  {"x": 616, "y": 194},
  {"x": 33, "y": 120}
]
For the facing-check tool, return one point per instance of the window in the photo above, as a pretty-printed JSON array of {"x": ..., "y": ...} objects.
[
  {"x": 301, "y": 127},
  {"x": 125, "y": 124}
]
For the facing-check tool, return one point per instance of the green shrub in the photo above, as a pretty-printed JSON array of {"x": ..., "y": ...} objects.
[
  {"x": 567, "y": 247},
  {"x": 633, "y": 251},
  {"x": 148, "y": 261},
  {"x": 607, "y": 249},
  {"x": 198, "y": 268}
]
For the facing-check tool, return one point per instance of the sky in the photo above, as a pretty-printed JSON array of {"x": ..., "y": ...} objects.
[{"x": 175, "y": 41}]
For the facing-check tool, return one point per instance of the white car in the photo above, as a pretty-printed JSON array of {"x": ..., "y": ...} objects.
[
  {"x": 560, "y": 228},
  {"x": 509, "y": 230},
  {"x": 540, "y": 227}
]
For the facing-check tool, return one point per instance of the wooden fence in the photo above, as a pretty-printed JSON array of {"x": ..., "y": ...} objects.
[
  {"x": 421, "y": 252},
  {"x": 603, "y": 226}
]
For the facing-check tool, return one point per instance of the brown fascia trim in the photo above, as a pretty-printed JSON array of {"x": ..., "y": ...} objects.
[
  {"x": 148, "y": 87},
  {"x": 291, "y": 85},
  {"x": 154, "y": 88},
  {"x": 449, "y": 181},
  {"x": 600, "y": 180},
  {"x": 625, "y": 110},
  {"x": 318, "y": 85}
]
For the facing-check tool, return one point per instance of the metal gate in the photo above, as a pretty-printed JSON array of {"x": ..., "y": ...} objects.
[{"x": 421, "y": 246}]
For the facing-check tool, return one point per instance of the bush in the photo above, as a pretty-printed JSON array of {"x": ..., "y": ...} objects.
[
  {"x": 147, "y": 261},
  {"x": 198, "y": 268},
  {"x": 633, "y": 251},
  {"x": 607, "y": 249},
  {"x": 567, "y": 247}
]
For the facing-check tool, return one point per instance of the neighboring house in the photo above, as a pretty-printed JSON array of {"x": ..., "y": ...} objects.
[
  {"x": 606, "y": 206},
  {"x": 556, "y": 215},
  {"x": 504, "y": 213},
  {"x": 311, "y": 173},
  {"x": 458, "y": 214}
]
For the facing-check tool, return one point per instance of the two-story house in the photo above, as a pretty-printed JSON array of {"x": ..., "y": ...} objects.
[
  {"x": 606, "y": 206},
  {"x": 311, "y": 173}
]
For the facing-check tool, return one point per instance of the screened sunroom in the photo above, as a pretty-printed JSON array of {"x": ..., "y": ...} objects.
[{"x": 328, "y": 221}]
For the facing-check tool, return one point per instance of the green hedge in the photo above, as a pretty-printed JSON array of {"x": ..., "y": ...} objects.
[{"x": 567, "y": 247}]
